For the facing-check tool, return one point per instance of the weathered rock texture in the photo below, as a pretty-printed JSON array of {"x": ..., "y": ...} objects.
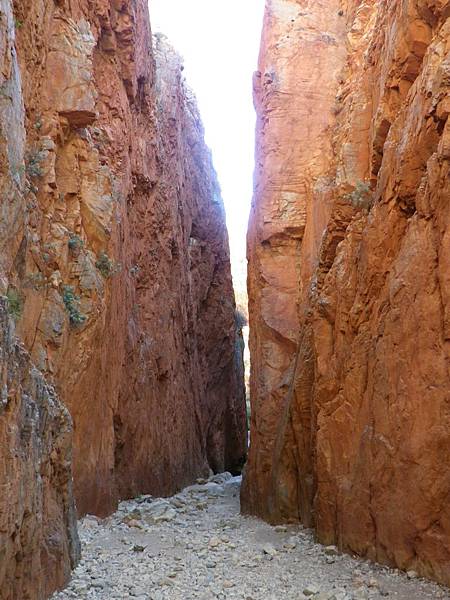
[
  {"x": 116, "y": 240},
  {"x": 185, "y": 411},
  {"x": 114, "y": 251},
  {"x": 349, "y": 277},
  {"x": 38, "y": 537}
]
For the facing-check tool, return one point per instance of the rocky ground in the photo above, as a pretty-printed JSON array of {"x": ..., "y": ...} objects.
[{"x": 197, "y": 545}]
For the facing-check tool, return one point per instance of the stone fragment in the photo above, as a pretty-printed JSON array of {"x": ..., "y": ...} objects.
[
  {"x": 134, "y": 523},
  {"x": 311, "y": 590},
  {"x": 270, "y": 550},
  {"x": 360, "y": 594}
]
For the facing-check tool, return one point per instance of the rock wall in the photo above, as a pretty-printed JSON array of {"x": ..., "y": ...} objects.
[
  {"x": 348, "y": 280},
  {"x": 114, "y": 252},
  {"x": 38, "y": 537},
  {"x": 182, "y": 319}
]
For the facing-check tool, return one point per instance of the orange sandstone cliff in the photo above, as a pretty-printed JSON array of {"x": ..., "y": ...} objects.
[
  {"x": 349, "y": 283},
  {"x": 114, "y": 259}
]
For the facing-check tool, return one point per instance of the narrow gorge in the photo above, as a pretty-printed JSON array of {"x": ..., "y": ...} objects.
[
  {"x": 115, "y": 265},
  {"x": 123, "y": 423}
]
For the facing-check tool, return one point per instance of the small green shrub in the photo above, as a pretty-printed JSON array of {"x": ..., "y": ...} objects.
[
  {"x": 72, "y": 302},
  {"x": 75, "y": 242},
  {"x": 15, "y": 303},
  {"x": 33, "y": 162},
  {"x": 106, "y": 266},
  {"x": 18, "y": 23},
  {"x": 17, "y": 171},
  {"x": 361, "y": 197}
]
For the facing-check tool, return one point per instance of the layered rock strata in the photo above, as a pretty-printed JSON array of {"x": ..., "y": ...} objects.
[
  {"x": 349, "y": 292},
  {"x": 114, "y": 256}
]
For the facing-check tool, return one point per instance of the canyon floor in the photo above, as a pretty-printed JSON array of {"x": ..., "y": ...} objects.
[{"x": 197, "y": 545}]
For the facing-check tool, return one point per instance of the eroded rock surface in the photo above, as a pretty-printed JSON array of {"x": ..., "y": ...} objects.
[
  {"x": 38, "y": 532},
  {"x": 182, "y": 312},
  {"x": 115, "y": 242},
  {"x": 114, "y": 256},
  {"x": 348, "y": 247}
]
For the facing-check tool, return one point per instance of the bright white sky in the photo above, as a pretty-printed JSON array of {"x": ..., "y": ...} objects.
[{"x": 219, "y": 40}]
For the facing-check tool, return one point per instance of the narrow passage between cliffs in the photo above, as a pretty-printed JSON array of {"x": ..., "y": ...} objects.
[{"x": 196, "y": 545}]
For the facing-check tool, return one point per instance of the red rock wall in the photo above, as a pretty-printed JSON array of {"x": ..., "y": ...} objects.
[
  {"x": 350, "y": 353},
  {"x": 183, "y": 383},
  {"x": 38, "y": 537},
  {"x": 114, "y": 257},
  {"x": 113, "y": 236}
]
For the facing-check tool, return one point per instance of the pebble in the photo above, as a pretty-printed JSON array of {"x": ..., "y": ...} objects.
[
  {"x": 270, "y": 550},
  {"x": 196, "y": 546},
  {"x": 311, "y": 590},
  {"x": 135, "y": 523},
  {"x": 323, "y": 596}
]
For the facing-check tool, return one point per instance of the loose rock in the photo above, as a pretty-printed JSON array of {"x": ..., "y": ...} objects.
[{"x": 185, "y": 549}]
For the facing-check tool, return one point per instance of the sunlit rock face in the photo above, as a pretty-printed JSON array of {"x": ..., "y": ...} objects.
[
  {"x": 349, "y": 288},
  {"x": 114, "y": 254}
]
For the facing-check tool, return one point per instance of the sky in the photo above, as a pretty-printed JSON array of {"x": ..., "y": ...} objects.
[{"x": 219, "y": 40}]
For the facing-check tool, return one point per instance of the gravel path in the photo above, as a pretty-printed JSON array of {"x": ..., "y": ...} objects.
[{"x": 197, "y": 545}]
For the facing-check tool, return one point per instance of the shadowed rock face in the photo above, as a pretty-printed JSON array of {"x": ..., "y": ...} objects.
[
  {"x": 38, "y": 537},
  {"x": 188, "y": 401},
  {"x": 114, "y": 250},
  {"x": 348, "y": 280}
]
